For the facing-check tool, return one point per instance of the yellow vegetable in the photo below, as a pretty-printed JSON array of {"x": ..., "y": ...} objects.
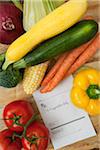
[
  {"x": 33, "y": 77},
  {"x": 54, "y": 23},
  {"x": 85, "y": 93}
]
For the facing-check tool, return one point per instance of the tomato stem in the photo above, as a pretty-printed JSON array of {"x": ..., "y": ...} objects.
[
  {"x": 33, "y": 118},
  {"x": 15, "y": 119},
  {"x": 33, "y": 139},
  {"x": 11, "y": 138},
  {"x": 16, "y": 135}
]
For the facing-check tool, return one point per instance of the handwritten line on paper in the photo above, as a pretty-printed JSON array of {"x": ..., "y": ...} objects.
[
  {"x": 68, "y": 123},
  {"x": 48, "y": 109},
  {"x": 53, "y": 95}
]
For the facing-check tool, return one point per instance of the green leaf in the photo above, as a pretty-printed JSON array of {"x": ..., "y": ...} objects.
[
  {"x": 17, "y": 4},
  {"x": 34, "y": 10}
]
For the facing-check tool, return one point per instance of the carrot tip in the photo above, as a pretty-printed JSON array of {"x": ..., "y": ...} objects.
[
  {"x": 42, "y": 91},
  {"x": 43, "y": 84}
]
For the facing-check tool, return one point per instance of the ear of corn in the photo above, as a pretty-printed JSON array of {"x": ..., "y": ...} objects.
[{"x": 33, "y": 77}]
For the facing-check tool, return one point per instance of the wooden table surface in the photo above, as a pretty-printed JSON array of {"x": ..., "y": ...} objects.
[{"x": 88, "y": 144}]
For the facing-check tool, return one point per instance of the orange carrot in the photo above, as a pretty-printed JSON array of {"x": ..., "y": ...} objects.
[
  {"x": 54, "y": 69},
  {"x": 86, "y": 55},
  {"x": 48, "y": 81},
  {"x": 45, "y": 89},
  {"x": 69, "y": 60},
  {"x": 83, "y": 58}
]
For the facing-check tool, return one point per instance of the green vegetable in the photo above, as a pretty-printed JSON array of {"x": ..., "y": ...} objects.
[
  {"x": 2, "y": 58},
  {"x": 77, "y": 35},
  {"x": 1, "y": 66},
  {"x": 10, "y": 78},
  {"x": 50, "y": 5},
  {"x": 93, "y": 91},
  {"x": 34, "y": 10},
  {"x": 17, "y": 4}
]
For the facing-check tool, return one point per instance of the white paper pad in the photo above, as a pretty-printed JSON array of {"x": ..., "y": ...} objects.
[{"x": 66, "y": 123}]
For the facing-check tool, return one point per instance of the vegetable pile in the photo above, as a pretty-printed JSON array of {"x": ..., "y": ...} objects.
[
  {"x": 53, "y": 30},
  {"x": 72, "y": 62},
  {"x": 55, "y": 33},
  {"x": 24, "y": 130},
  {"x": 53, "y": 24},
  {"x": 34, "y": 11},
  {"x": 66, "y": 41}
]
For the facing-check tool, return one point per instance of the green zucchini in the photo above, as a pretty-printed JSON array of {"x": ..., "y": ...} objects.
[
  {"x": 2, "y": 58},
  {"x": 72, "y": 38}
]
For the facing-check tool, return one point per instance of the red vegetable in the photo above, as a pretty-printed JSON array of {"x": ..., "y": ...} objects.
[
  {"x": 16, "y": 113},
  {"x": 10, "y": 22},
  {"x": 38, "y": 136},
  {"x": 7, "y": 142}
]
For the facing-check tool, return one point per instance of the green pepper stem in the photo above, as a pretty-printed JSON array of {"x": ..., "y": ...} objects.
[{"x": 93, "y": 91}]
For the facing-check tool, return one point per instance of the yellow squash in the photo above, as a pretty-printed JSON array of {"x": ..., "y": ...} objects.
[
  {"x": 85, "y": 93},
  {"x": 54, "y": 23}
]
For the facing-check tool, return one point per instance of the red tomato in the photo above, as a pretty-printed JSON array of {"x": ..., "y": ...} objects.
[
  {"x": 17, "y": 112},
  {"x": 41, "y": 133},
  {"x": 6, "y": 142}
]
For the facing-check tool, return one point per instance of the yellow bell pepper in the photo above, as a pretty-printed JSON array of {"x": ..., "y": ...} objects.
[{"x": 85, "y": 92}]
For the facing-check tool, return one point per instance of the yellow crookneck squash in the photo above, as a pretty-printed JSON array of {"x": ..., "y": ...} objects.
[{"x": 85, "y": 92}]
